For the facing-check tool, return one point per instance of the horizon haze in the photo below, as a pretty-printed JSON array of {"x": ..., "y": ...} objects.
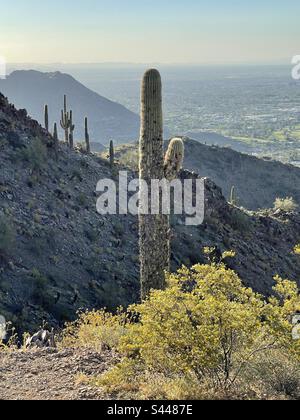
[{"x": 144, "y": 32}]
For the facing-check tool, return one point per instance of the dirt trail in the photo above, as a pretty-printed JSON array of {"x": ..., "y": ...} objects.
[{"x": 50, "y": 375}]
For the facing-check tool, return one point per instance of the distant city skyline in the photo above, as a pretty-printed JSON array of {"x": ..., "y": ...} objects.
[{"x": 157, "y": 31}]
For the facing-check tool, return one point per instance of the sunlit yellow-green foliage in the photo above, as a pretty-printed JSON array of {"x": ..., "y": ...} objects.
[
  {"x": 96, "y": 329},
  {"x": 205, "y": 330},
  {"x": 297, "y": 249},
  {"x": 287, "y": 204}
]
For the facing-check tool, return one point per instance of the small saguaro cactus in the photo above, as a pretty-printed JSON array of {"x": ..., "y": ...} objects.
[
  {"x": 71, "y": 128},
  {"x": 55, "y": 134},
  {"x": 233, "y": 199},
  {"x": 154, "y": 229},
  {"x": 46, "y": 117},
  {"x": 87, "y": 136},
  {"x": 55, "y": 138},
  {"x": 111, "y": 154},
  {"x": 65, "y": 120},
  {"x": 174, "y": 158}
]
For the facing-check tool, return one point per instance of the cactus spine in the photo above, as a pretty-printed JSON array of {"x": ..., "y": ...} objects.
[
  {"x": 154, "y": 229},
  {"x": 87, "y": 136},
  {"x": 174, "y": 158},
  {"x": 65, "y": 120},
  {"x": 111, "y": 154},
  {"x": 46, "y": 117}
]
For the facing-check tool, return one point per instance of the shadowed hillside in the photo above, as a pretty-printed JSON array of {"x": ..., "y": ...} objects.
[{"x": 58, "y": 255}]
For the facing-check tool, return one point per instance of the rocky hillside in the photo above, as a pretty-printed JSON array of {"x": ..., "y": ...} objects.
[
  {"x": 257, "y": 182},
  {"x": 107, "y": 120},
  {"x": 58, "y": 255},
  {"x": 49, "y": 375}
]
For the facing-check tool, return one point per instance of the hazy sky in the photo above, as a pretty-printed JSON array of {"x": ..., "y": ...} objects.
[{"x": 144, "y": 31}]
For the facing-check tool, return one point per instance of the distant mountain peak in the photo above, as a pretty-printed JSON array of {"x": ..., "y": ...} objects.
[{"x": 32, "y": 89}]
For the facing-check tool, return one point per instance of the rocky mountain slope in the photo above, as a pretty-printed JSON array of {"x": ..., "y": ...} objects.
[
  {"x": 107, "y": 120},
  {"x": 58, "y": 255},
  {"x": 257, "y": 182}
]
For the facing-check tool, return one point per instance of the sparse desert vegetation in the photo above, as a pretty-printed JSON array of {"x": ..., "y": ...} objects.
[
  {"x": 205, "y": 336},
  {"x": 158, "y": 320},
  {"x": 285, "y": 204}
]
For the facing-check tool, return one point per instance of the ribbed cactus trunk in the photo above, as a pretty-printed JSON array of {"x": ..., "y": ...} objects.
[
  {"x": 87, "y": 136},
  {"x": 154, "y": 229}
]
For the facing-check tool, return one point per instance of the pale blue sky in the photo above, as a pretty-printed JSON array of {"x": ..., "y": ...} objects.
[{"x": 144, "y": 31}]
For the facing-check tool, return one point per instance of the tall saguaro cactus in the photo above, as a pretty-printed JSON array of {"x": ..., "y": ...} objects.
[
  {"x": 87, "y": 136},
  {"x": 154, "y": 229},
  {"x": 46, "y": 117},
  {"x": 65, "y": 120}
]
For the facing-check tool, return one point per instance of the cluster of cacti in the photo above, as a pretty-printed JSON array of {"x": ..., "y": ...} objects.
[
  {"x": 111, "y": 154},
  {"x": 66, "y": 123},
  {"x": 174, "y": 158}
]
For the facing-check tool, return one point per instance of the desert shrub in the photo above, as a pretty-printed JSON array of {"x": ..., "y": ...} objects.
[
  {"x": 35, "y": 154},
  {"x": 285, "y": 204},
  {"x": 205, "y": 336},
  {"x": 96, "y": 329},
  {"x": 119, "y": 229},
  {"x": 240, "y": 221},
  {"x": 277, "y": 374},
  {"x": 91, "y": 234},
  {"x": 7, "y": 236},
  {"x": 82, "y": 200},
  {"x": 130, "y": 159},
  {"x": 206, "y": 327}
]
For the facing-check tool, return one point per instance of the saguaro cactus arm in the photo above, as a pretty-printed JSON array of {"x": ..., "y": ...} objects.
[{"x": 174, "y": 158}]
